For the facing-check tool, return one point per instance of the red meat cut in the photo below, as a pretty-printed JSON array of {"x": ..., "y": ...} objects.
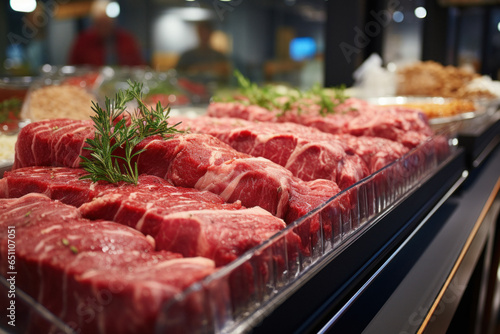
[
  {"x": 354, "y": 116},
  {"x": 376, "y": 152},
  {"x": 184, "y": 160},
  {"x": 151, "y": 208},
  {"x": 307, "y": 152},
  {"x": 53, "y": 143},
  {"x": 221, "y": 235},
  {"x": 92, "y": 274}
]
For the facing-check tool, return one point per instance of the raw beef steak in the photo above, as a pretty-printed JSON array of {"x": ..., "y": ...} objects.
[
  {"x": 92, "y": 274},
  {"x": 307, "y": 152}
]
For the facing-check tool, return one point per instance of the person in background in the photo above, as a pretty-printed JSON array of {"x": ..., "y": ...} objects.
[
  {"x": 203, "y": 63},
  {"x": 104, "y": 43}
]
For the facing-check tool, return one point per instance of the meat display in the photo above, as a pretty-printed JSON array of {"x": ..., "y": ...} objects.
[
  {"x": 197, "y": 161},
  {"x": 84, "y": 271},
  {"x": 219, "y": 219}
]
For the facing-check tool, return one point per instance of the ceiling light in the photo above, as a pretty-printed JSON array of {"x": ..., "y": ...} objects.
[
  {"x": 420, "y": 12},
  {"x": 24, "y": 6},
  {"x": 113, "y": 9}
]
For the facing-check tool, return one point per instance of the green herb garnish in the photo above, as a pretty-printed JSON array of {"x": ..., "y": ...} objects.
[
  {"x": 282, "y": 98},
  {"x": 270, "y": 97},
  {"x": 113, "y": 131},
  {"x": 328, "y": 99}
]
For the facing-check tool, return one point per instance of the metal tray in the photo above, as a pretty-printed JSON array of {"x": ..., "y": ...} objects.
[{"x": 483, "y": 110}]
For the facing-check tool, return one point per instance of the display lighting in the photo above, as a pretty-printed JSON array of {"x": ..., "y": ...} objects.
[
  {"x": 398, "y": 16},
  {"x": 498, "y": 26},
  {"x": 24, "y": 6},
  {"x": 420, "y": 12},
  {"x": 113, "y": 9},
  {"x": 192, "y": 13}
]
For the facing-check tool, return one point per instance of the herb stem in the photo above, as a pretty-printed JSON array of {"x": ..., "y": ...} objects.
[{"x": 113, "y": 131}]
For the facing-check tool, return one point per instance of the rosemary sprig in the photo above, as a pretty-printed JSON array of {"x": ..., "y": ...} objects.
[{"x": 113, "y": 131}]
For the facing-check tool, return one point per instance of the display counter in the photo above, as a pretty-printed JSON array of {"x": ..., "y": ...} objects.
[{"x": 408, "y": 248}]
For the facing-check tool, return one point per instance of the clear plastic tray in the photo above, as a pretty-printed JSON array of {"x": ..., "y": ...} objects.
[{"x": 240, "y": 294}]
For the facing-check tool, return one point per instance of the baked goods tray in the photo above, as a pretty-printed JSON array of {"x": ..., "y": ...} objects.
[{"x": 251, "y": 291}]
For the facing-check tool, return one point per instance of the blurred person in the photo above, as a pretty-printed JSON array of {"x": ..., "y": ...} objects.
[
  {"x": 104, "y": 43},
  {"x": 203, "y": 63}
]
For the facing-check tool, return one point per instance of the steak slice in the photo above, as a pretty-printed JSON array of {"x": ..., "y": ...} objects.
[
  {"x": 57, "y": 142},
  {"x": 376, "y": 152},
  {"x": 57, "y": 183},
  {"x": 103, "y": 291},
  {"x": 220, "y": 235}
]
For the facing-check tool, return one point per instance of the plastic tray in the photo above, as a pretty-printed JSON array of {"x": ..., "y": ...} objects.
[
  {"x": 241, "y": 294},
  {"x": 244, "y": 292}
]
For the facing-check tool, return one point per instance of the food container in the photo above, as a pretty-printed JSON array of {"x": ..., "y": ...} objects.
[
  {"x": 61, "y": 92},
  {"x": 157, "y": 86},
  {"x": 13, "y": 91}
]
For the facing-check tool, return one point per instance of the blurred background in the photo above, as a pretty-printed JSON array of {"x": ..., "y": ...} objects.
[{"x": 296, "y": 42}]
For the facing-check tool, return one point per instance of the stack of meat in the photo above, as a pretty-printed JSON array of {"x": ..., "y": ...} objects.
[
  {"x": 196, "y": 198},
  {"x": 203, "y": 199},
  {"x": 355, "y": 117},
  {"x": 85, "y": 271},
  {"x": 356, "y": 129}
]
